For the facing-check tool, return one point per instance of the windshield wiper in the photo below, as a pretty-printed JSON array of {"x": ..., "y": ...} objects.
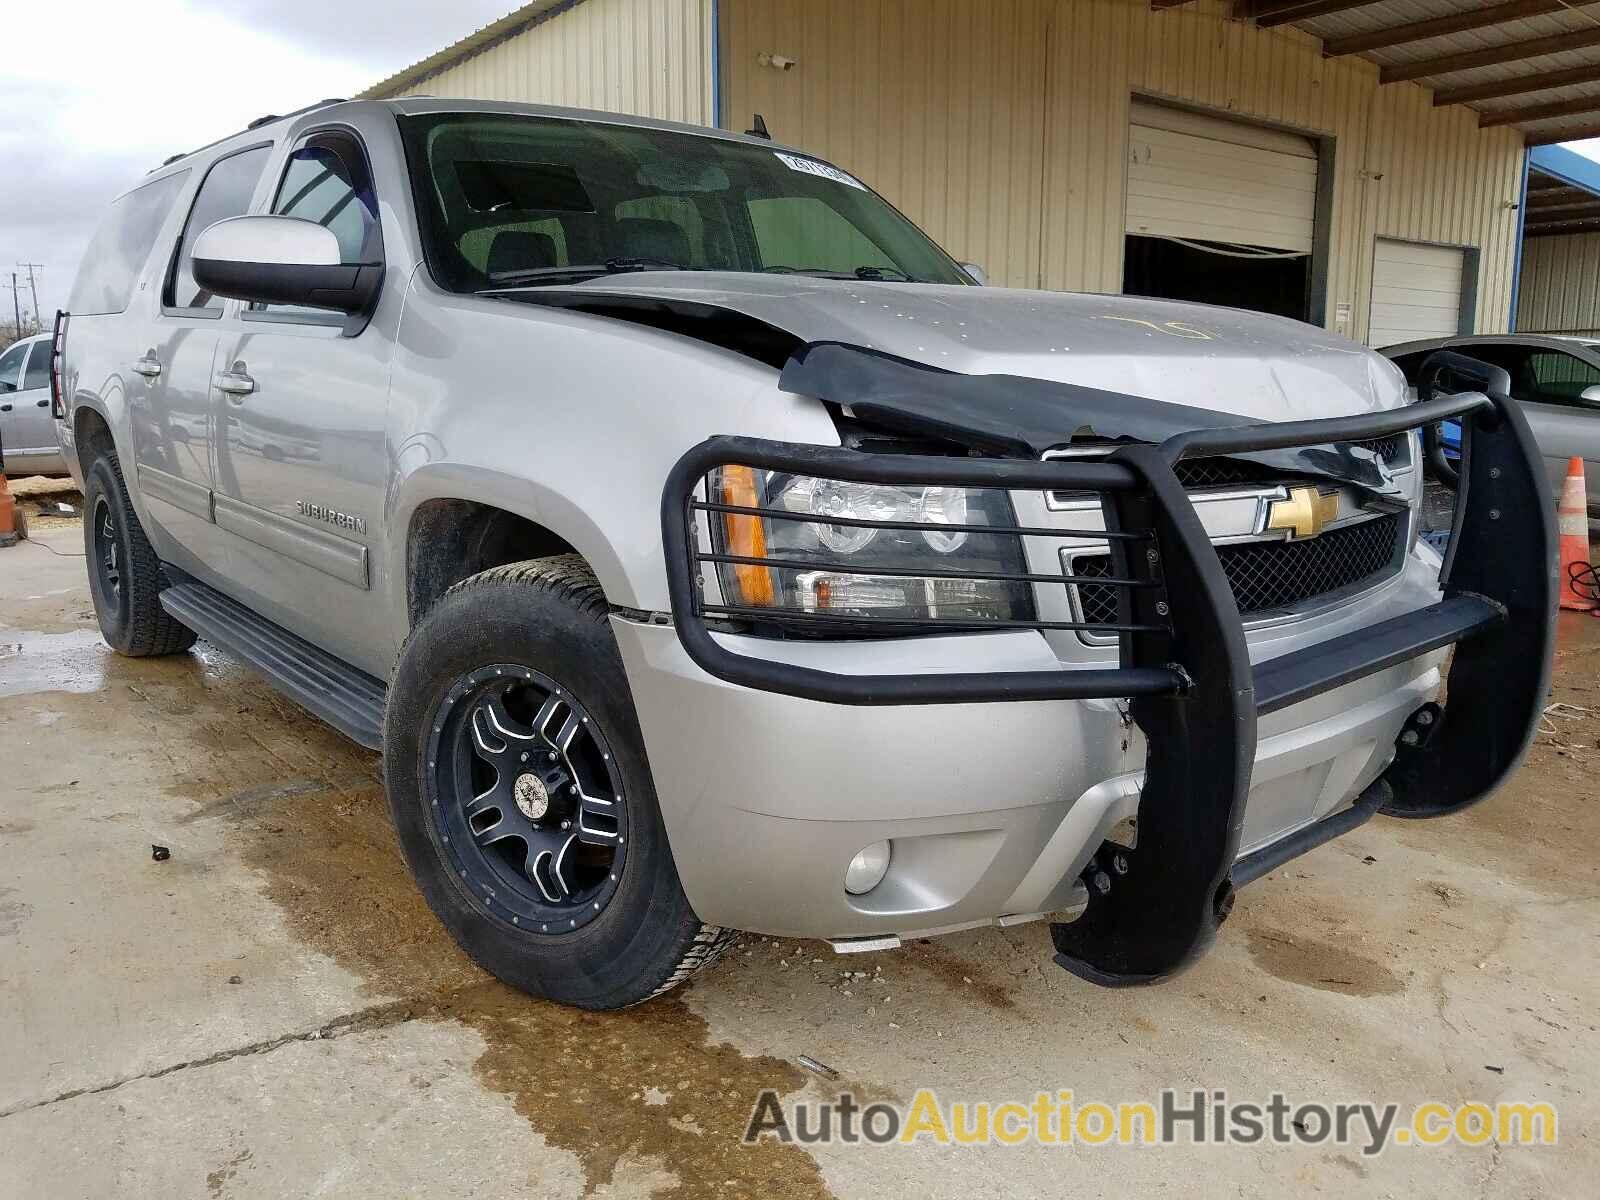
[
  {"x": 872, "y": 274},
  {"x": 611, "y": 266},
  {"x": 893, "y": 274}
]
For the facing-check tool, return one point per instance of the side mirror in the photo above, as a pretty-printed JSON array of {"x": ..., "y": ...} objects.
[
  {"x": 979, "y": 275},
  {"x": 282, "y": 260},
  {"x": 1590, "y": 396}
]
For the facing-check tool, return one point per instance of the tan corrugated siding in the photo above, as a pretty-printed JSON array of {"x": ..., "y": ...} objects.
[
  {"x": 1003, "y": 127},
  {"x": 648, "y": 57},
  {"x": 940, "y": 103},
  {"x": 1446, "y": 181},
  {"x": 1560, "y": 287}
]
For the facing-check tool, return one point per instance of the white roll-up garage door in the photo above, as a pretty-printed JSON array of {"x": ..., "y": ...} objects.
[
  {"x": 1416, "y": 292},
  {"x": 1207, "y": 179}
]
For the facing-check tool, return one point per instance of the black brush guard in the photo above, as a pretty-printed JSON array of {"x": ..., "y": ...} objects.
[{"x": 1183, "y": 662}]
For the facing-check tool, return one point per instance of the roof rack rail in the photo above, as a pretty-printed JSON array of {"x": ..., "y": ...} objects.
[{"x": 268, "y": 119}]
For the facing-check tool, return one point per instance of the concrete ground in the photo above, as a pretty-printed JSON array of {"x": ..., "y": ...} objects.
[{"x": 272, "y": 1011}]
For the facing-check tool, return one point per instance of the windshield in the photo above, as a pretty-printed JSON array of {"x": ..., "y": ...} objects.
[{"x": 517, "y": 201}]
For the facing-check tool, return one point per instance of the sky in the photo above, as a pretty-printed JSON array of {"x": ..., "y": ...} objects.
[{"x": 94, "y": 93}]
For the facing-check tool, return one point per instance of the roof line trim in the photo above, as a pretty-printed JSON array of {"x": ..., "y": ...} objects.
[{"x": 1570, "y": 167}]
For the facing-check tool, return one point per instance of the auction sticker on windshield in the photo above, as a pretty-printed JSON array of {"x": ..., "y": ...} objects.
[{"x": 810, "y": 166}]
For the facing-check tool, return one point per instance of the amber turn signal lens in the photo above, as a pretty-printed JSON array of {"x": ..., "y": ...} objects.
[{"x": 746, "y": 537}]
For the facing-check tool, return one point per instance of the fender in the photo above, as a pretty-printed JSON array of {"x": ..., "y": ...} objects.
[{"x": 519, "y": 495}]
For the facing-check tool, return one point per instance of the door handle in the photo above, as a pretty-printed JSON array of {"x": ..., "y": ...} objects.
[
  {"x": 40, "y": 403},
  {"x": 5, "y": 408},
  {"x": 146, "y": 366},
  {"x": 235, "y": 383}
]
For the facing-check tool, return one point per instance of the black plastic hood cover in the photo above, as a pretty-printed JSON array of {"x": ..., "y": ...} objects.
[{"x": 1018, "y": 417}]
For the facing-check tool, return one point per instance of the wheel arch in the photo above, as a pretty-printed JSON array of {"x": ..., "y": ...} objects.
[
  {"x": 449, "y": 521},
  {"x": 92, "y": 432}
]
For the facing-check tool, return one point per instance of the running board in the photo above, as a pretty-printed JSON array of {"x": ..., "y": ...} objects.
[
  {"x": 330, "y": 688},
  {"x": 1280, "y": 682}
]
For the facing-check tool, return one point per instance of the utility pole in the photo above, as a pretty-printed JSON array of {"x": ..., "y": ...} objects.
[
  {"x": 33, "y": 287},
  {"x": 16, "y": 305}
]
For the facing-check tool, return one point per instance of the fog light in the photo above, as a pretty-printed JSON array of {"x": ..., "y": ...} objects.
[{"x": 867, "y": 869}]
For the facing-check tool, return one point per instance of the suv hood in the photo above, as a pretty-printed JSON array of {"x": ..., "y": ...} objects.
[{"x": 1249, "y": 365}]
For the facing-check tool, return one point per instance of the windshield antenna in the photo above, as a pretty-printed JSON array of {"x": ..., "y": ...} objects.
[{"x": 758, "y": 128}]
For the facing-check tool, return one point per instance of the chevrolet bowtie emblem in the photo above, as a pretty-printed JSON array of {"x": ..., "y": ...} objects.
[{"x": 1304, "y": 512}]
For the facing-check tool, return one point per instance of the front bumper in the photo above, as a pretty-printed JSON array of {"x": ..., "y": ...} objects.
[
  {"x": 994, "y": 812},
  {"x": 1221, "y": 734}
]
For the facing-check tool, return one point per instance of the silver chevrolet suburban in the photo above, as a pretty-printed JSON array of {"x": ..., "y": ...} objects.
[{"x": 705, "y": 550}]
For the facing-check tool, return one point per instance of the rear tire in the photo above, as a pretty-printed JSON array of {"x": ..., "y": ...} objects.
[
  {"x": 124, "y": 573},
  {"x": 522, "y": 796}
]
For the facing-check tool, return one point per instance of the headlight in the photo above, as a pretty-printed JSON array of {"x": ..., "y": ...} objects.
[{"x": 885, "y": 555}]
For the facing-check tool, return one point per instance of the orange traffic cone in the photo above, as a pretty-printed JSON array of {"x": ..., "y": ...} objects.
[
  {"x": 13, "y": 526},
  {"x": 1573, "y": 519}
]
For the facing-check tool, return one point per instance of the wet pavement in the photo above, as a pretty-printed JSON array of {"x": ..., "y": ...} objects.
[{"x": 272, "y": 1010}]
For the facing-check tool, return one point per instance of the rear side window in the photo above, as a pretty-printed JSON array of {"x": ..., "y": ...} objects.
[
  {"x": 38, "y": 373},
  {"x": 121, "y": 247},
  {"x": 226, "y": 192}
]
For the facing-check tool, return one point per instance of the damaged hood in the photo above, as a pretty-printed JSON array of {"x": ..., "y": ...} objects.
[{"x": 1250, "y": 365}]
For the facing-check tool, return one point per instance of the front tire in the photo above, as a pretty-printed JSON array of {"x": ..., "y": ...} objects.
[
  {"x": 124, "y": 572},
  {"x": 520, "y": 789}
]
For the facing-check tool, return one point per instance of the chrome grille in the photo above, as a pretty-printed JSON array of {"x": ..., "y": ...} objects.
[{"x": 1268, "y": 575}]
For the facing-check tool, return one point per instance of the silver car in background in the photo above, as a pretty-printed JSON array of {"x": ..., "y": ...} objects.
[
  {"x": 27, "y": 434},
  {"x": 1556, "y": 380}
]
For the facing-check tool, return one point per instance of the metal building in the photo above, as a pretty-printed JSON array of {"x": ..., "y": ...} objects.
[
  {"x": 1361, "y": 166},
  {"x": 1559, "y": 287}
]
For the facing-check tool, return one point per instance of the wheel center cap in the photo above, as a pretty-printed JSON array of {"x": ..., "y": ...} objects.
[{"x": 531, "y": 796}]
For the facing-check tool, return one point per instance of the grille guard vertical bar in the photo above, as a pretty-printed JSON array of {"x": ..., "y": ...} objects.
[
  {"x": 1503, "y": 547},
  {"x": 1201, "y": 748}
]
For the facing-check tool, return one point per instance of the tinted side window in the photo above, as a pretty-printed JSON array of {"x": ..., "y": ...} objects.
[
  {"x": 226, "y": 192},
  {"x": 1560, "y": 378},
  {"x": 326, "y": 180},
  {"x": 11, "y": 368},
  {"x": 121, "y": 246},
  {"x": 38, "y": 373},
  {"x": 1510, "y": 358}
]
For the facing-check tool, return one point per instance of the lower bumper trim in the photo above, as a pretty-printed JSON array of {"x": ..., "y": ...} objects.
[{"x": 1269, "y": 858}]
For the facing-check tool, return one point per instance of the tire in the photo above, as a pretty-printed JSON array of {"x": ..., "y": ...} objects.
[
  {"x": 125, "y": 578},
  {"x": 589, "y": 912}
]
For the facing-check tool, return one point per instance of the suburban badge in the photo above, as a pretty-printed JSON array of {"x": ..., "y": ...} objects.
[{"x": 330, "y": 516}]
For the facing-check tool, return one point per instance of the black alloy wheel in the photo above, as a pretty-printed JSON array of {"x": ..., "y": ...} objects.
[
  {"x": 526, "y": 799},
  {"x": 108, "y": 555}
]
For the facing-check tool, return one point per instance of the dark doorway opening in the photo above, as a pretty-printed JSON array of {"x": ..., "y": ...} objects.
[{"x": 1252, "y": 277}]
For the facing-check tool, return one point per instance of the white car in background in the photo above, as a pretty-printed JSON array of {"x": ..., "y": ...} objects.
[{"x": 27, "y": 432}]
